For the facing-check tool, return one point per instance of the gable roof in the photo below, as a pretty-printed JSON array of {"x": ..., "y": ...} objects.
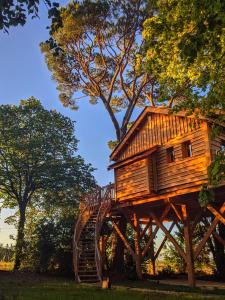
[{"x": 135, "y": 126}]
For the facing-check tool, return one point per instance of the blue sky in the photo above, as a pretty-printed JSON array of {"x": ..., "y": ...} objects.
[{"x": 23, "y": 73}]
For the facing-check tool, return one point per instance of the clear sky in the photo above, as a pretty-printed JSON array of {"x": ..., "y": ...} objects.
[{"x": 23, "y": 73}]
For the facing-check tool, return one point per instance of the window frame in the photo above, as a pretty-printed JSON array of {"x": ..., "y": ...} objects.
[
  {"x": 187, "y": 149},
  {"x": 170, "y": 154}
]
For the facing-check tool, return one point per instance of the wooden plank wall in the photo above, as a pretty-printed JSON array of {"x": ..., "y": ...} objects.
[
  {"x": 133, "y": 179},
  {"x": 216, "y": 143},
  {"x": 156, "y": 130},
  {"x": 183, "y": 172}
]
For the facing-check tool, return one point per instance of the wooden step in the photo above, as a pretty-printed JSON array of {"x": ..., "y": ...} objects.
[{"x": 87, "y": 272}]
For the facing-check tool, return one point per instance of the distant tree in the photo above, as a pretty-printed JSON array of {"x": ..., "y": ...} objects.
[
  {"x": 93, "y": 52},
  {"x": 49, "y": 232},
  {"x": 37, "y": 154},
  {"x": 14, "y": 13},
  {"x": 176, "y": 262},
  {"x": 6, "y": 252},
  {"x": 51, "y": 250},
  {"x": 185, "y": 51}
]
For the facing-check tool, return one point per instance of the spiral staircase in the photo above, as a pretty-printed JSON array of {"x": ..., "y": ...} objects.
[{"x": 87, "y": 254}]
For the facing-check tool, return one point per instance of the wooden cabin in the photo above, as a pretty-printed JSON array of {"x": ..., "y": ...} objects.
[
  {"x": 159, "y": 166},
  {"x": 163, "y": 154}
]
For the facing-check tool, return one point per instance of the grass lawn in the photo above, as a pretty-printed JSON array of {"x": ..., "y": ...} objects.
[{"x": 30, "y": 287}]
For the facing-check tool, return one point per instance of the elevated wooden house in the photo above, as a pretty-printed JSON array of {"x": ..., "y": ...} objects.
[{"x": 160, "y": 167}]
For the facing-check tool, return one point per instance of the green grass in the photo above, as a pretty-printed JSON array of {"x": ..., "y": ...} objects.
[
  {"x": 153, "y": 285},
  {"x": 67, "y": 290}
]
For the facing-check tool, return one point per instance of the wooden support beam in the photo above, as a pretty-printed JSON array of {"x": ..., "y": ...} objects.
[
  {"x": 151, "y": 238},
  {"x": 146, "y": 228},
  {"x": 163, "y": 242},
  {"x": 215, "y": 234},
  {"x": 127, "y": 213},
  {"x": 188, "y": 246},
  {"x": 137, "y": 246},
  {"x": 208, "y": 233},
  {"x": 216, "y": 213},
  {"x": 123, "y": 239},
  {"x": 196, "y": 221},
  {"x": 177, "y": 213},
  {"x": 169, "y": 236},
  {"x": 152, "y": 251},
  {"x": 178, "y": 227},
  {"x": 219, "y": 239}
]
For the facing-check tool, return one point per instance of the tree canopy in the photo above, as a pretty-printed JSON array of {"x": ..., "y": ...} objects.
[
  {"x": 37, "y": 158},
  {"x": 94, "y": 51},
  {"x": 14, "y": 13},
  {"x": 185, "y": 50}
]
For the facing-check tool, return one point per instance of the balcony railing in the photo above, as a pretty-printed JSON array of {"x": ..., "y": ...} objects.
[{"x": 100, "y": 195}]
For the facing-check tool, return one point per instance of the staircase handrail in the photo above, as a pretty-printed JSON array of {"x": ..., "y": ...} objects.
[
  {"x": 77, "y": 232},
  {"x": 100, "y": 198},
  {"x": 105, "y": 207}
]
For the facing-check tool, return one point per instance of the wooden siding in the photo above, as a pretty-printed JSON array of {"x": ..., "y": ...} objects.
[
  {"x": 215, "y": 143},
  {"x": 184, "y": 170},
  {"x": 157, "y": 129},
  {"x": 133, "y": 179}
]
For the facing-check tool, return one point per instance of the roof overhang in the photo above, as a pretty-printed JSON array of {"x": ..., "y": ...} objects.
[{"x": 133, "y": 158}]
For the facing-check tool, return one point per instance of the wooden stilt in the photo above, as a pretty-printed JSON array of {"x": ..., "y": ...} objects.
[
  {"x": 137, "y": 246},
  {"x": 124, "y": 240},
  {"x": 152, "y": 252},
  {"x": 208, "y": 233},
  {"x": 188, "y": 246}
]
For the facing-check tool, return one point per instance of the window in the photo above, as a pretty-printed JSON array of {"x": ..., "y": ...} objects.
[
  {"x": 170, "y": 154},
  {"x": 222, "y": 146},
  {"x": 187, "y": 149}
]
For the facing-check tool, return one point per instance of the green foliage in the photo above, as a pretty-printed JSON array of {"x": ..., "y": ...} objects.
[
  {"x": 14, "y": 13},
  {"x": 216, "y": 170},
  {"x": 112, "y": 144},
  {"x": 93, "y": 52},
  {"x": 216, "y": 174},
  {"x": 6, "y": 253},
  {"x": 176, "y": 262},
  {"x": 37, "y": 161},
  {"x": 206, "y": 195},
  {"x": 49, "y": 236},
  {"x": 185, "y": 44}
]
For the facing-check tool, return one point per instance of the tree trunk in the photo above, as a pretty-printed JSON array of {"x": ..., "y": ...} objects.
[
  {"x": 219, "y": 252},
  {"x": 118, "y": 246},
  {"x": 20, "y": 238}
]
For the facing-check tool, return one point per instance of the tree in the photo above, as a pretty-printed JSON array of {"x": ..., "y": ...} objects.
[
  {"x": 185, "y": 51},
  {"x": 14, "y": 13},
  {"x": 37, "y": 155},
  {"x": 176, "y": 262},
  {"x": 93, "y": 51},
  {"x": 48, "y": 236}
]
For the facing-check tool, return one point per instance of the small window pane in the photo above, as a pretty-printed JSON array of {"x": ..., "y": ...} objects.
[
  {"x": 222, "y": 146},
  {"x": 170, "y": 154},
  {"x": 187, "y": 149}
]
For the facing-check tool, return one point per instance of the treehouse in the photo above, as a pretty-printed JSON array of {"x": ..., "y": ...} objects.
[{"x": 160, "y": 167}]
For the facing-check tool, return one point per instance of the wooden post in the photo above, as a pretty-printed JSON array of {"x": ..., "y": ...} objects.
[
  {"x": 152, "y": 251},
  {"x": 188, "y": 246},
  {"x": 137, "y": 246}
]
